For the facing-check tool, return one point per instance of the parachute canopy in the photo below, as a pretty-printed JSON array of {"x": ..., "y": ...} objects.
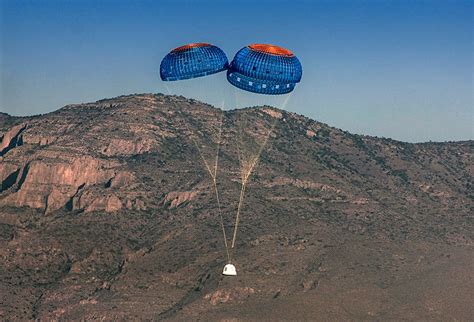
[
  {"x": 191, "y": 61},
  {"x": 265, "y": 69}
]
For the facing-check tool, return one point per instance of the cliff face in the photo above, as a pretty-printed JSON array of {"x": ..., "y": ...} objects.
[{"x": 107, "y": 210}]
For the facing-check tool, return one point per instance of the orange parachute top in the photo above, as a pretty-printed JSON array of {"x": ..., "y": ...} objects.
[
  {"x": 190, "y": 46},
  {"x": 271, "y": 49}
]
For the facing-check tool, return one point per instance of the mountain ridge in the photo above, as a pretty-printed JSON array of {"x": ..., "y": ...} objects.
[
  {"x": 107, "y": 210},
  {"x": 16, "y": 118}
]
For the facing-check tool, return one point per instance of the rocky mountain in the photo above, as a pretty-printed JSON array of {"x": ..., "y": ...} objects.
[{"x": 107, "y": 211}]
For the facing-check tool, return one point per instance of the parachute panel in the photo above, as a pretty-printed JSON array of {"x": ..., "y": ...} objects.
[{"x": 192, "y": 61}]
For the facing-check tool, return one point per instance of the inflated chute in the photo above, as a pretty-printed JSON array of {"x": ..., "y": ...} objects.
[
  {"x": 192, "y": 61},
  {"x": 265, "y": 69}
]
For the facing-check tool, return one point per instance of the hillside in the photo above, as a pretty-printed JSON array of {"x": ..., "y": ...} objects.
[{"x": 107, "y": 211}]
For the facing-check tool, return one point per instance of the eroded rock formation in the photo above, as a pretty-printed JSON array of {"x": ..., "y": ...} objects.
[{"x": 12, "y": 138}]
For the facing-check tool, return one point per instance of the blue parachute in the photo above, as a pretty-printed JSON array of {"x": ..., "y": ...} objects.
[
  {"x": 265, "y": 69},
  {"x": 191, "y": 61}
]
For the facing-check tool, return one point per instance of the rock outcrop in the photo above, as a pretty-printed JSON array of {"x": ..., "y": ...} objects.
[
  {"x": 12, "y": 139},
  {"x": 176, "y": 198},
  {"x": 49, "y": 184},
  {"x": 238, "y": 294}
]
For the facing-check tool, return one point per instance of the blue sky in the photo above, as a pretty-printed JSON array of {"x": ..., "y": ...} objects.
[{"x": 398, "y": 69}]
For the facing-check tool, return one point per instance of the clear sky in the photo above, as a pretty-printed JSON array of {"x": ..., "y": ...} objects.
[{"x": 398, "y": 69}]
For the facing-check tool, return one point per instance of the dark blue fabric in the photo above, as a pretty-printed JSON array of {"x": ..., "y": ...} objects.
[
  {"x": 264, "y": 73},
  {"x": 193, "y": 62}
]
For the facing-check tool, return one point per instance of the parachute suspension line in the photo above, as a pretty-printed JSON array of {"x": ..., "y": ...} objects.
[
  {"x": 214, "y": 180},
  {"x": 243, "y": 176},
  {"x": 237, "y": 217},
  {"x": 216, "y": 165},
  {"x": 247, "y": 169},
  {"x": 219, "y": 142},
  {"x": 285, "y": 102},
  {"x": 212, "y": 174}
]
